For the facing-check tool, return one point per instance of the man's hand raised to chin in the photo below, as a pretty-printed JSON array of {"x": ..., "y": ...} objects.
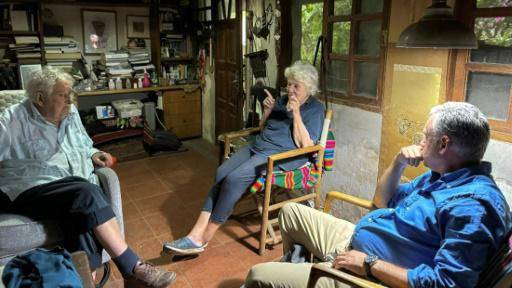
[{"x": 410, "y": 155}]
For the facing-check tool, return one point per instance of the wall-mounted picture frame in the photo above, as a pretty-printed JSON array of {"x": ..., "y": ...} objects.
[
  {"x": 25, "y": 72},
  {"x": 99, "y": 31},
  {"x": 137, "y": 26}
]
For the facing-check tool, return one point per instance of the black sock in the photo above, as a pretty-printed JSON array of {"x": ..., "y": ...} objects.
[{"x": 126, "y": 262}]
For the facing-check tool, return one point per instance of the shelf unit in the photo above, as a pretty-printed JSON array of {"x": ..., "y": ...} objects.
[
  {"x": 170, "y": 36},
  {"x": 33, "y": 13}
]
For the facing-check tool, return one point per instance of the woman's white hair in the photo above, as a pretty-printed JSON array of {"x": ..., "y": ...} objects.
[
  {"x": 466, "y": 126},
  {"x": 42, "y": 82},
  {"x": 304, "y": 73}
]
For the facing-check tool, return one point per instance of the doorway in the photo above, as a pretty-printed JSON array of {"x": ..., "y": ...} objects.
[{"x": 228, "y": 67}]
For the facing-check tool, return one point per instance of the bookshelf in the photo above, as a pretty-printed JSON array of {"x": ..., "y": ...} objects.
[
  {"x": 21, "y": 31},
  {"x": 171, "y": 40}
]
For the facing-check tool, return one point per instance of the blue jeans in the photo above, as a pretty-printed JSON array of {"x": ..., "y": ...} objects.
[{"x": 231, "y": 181}]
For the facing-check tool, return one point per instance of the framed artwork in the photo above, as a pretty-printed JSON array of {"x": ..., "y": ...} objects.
[
  {"x": 137, "y": 26},
  {"x": 99, "y": 30},
  {"x": 25, "y": 73}
]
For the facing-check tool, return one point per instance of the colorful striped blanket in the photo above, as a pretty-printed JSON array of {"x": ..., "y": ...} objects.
[{"x": 304, "y": 177}]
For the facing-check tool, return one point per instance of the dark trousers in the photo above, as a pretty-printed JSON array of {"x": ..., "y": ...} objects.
[
  {"x": 76, "y": 204},
  {"x": 231, "y": 181}
]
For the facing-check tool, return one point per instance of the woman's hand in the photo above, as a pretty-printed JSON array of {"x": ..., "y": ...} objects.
[
  {"x": 102, "y": 159},
  {"x": 269, "y": 102},
  {"x": 293, "y": 104}
]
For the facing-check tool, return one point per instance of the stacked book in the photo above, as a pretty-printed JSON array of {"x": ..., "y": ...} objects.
[
  {"x": 24, "y": 50},
  {"x": 139, "y": 60},
  {"x": 61, "y": 52},
  {"x": 116, "y": 64}
]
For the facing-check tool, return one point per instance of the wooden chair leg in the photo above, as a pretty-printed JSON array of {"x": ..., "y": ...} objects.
[
  {"x": 263, "y": 232},
  {"x": 264, "y": 216}
]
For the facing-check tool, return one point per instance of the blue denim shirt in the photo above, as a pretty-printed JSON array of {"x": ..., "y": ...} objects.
[
  {"x": 34, "y": 151},
  {"x": 443, "y": 229},
  {"x": 277, "y": 135}
]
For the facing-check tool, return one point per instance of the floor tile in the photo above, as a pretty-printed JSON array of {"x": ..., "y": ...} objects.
[
  {"x": 211, "y": 268},
  {"x": 130, "y": 211},
  {"x": 137, "y": 231},
  {"x": 159, "y": 204},
  {"x": 146, "y": 189}
]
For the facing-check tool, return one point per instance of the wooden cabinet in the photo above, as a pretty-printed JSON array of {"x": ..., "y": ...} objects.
[{"x": 182, "y": 112}]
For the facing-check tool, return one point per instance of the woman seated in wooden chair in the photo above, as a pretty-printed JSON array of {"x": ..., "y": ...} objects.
[{"x": 289, "y": 122}]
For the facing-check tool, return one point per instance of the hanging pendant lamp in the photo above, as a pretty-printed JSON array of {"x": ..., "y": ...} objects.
[{"x": 438, "y": 28}]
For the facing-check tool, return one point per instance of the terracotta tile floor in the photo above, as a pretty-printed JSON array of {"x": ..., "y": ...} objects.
[{"x": 162, "y": 197}]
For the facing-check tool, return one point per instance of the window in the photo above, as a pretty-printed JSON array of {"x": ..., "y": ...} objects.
[
  {"x": 311, "y": 23},
  {"x": 483, "y": 76},
  {"x": 356, "y": 32}
]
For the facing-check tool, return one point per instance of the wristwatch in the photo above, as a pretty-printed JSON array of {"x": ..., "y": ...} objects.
[{"x": 369, "y": 261}]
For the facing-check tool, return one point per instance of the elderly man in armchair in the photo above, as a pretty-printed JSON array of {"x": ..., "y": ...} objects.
[
  {"x": 46, "y": 172},
  {"x": 437, "y": 231}
]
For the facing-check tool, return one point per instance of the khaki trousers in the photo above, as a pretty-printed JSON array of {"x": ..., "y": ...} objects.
[{"x": 322, "y": 234}]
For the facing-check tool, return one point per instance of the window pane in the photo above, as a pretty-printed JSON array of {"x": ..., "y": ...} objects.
[
  {"x": 366, "y": 76},
  {"x": 370, "y": 7},
  {"x": 220, "y": 10},
  {"x": 233, "y": 9},
  {"x": 490, "y": 93},
  {"x": 340, "y": 37},
  {"x": 368, "y": 42},
  {"x": 493, "y": 3},
  {"x": 337, "y": 77},
  {"x": 494, "y": 40},
  {"x": 311, "y": 21},
  {"x": 342, "y": 7}
]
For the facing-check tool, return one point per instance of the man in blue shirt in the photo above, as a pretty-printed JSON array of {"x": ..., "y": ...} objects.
[
  {"x": 437, "y": 231},
  {"x": 46, "y": 172}
]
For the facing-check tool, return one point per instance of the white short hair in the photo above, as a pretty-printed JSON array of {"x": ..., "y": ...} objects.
[
  {"x": 44, "y": 80},
  {"x": 304, "y": 73},
  {"x": 466, "y": 126}
]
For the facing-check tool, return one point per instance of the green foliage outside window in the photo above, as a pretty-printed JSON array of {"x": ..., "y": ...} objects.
[
  {"x": 493, "y": 3},
  {"x": 311, "y": 21}
]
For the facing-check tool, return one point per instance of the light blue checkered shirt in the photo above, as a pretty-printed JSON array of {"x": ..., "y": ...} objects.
[{"x": 34, "y": 151}]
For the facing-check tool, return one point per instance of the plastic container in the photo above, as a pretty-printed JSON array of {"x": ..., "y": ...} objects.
[
  {"x": 111, "y": 84},
  {"x": 127, "y": 108}
]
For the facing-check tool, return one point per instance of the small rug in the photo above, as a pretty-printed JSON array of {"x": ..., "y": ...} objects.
[{"x": 125, "y": 149}]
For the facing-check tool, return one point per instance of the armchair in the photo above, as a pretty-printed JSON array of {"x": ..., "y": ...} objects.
[
  {"x": 497, "y": 274},
  {"x": 19, "y": 233}
]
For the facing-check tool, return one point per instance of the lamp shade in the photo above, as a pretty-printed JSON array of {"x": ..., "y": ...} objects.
[{"x": 438, "y": 28}]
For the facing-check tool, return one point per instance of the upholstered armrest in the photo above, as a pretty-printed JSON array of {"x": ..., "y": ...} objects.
[
  {"x": 320, "y": 270},
  {"x": 110, "y": 184},
  {"x": 335, "y": 195}
]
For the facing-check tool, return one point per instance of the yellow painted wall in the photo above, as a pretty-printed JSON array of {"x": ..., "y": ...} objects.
[{"x": 410, "y": 90}]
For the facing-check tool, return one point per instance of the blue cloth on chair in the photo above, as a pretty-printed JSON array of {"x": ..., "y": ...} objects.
[{"x": 41, "y": 268}]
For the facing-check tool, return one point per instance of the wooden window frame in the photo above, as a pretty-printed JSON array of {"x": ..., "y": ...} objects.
[
  {"x": 350, "y": 98},
  {"x": 459, "y": 66}
]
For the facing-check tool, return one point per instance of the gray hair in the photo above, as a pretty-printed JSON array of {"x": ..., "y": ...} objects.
[
  {"x": 304, "y": 73},
  {"x": 466, "y": 126},
  {"x": 44, "y": 80}
]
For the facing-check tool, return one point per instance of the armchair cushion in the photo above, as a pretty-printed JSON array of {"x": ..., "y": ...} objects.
[{"x": 11, "y": 97}]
